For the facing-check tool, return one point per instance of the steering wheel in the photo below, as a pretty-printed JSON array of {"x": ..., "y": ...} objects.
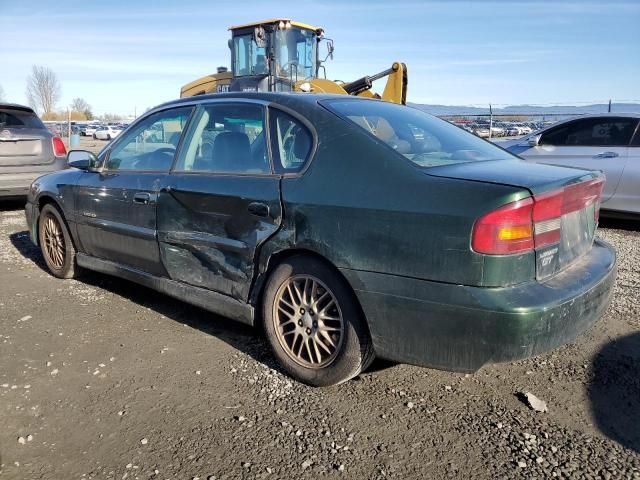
[
  {"x": 286, "y": 68},
  {"x": 170, "y": 150}
]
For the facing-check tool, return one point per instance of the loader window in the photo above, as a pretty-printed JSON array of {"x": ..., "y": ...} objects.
[
  {"x": 425, "y": 140},
  {"x": 248, "y": 58},
  {"x": 296, "y": 53}
]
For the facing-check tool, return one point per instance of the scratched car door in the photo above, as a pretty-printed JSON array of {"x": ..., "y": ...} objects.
[{"x": 221, "y": 201}]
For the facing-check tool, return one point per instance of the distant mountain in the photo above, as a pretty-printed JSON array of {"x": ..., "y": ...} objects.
[{"x": 527, "y": 109}]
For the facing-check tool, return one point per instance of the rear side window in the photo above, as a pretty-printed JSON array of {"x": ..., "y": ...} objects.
[
  {"x": 425, "y": 140},
  {"x": 15, "y": 118},
  {"x": 591, "y": 132},
  {"x": 291, "y": 142},
  {"x": 226, "y": 138}
]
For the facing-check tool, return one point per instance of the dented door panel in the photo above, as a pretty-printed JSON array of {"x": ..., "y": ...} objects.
[{"x": 210, "y": 232}]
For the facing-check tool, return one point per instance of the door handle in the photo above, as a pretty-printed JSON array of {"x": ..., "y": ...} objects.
[
  {"x": 259, "y": 209},
  {"x": 142, "y": 198},
  {"x": 606, "y": 155}
]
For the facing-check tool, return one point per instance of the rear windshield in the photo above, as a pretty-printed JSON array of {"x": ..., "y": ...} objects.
[
  {"x": 12, "y": 118},
  {"x": 425, "y": 140}
]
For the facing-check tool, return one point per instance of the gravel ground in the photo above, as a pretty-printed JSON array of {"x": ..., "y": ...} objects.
[{"x": 105, "y": 379}]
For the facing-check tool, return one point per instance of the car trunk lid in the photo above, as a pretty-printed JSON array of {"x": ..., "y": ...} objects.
[
  {"x": 25, "y": 147},
  {"x": 559, "y": 220}
]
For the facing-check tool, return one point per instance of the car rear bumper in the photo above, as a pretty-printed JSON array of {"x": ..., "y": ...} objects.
[
  {"x": 17, "y": 184},
  {"x": 462, "y": 328}
]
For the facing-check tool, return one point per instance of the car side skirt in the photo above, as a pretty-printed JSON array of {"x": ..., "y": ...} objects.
[{"x": 200, "y": 297}]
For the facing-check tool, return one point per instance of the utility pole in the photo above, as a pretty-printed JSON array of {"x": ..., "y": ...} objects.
[
  {"x": 490, "y": 121},
  {"x": 609, "y": 105},
  {"x": 69, "y": 127}
]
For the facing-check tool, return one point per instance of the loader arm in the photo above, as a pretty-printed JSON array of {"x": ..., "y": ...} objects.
[{"x": 394, "y": 91}]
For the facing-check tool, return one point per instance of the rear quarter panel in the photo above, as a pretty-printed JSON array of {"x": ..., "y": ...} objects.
[{"x": 365, "y": 208}]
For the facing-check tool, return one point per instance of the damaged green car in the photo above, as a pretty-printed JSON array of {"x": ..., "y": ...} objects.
[{"x": 347, "y": 228}]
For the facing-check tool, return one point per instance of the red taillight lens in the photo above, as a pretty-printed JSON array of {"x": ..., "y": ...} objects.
[
  {"x": 533, "y": 222},
  {"x": 59, "y": 149},
  {"x": 506, "y": 230}
]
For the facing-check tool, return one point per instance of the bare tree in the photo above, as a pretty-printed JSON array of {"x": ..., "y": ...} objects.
[
  {"x": 1, "y": 94},
  {"x": 43, "y": 89},
  {"x": 80, "y": 105}
]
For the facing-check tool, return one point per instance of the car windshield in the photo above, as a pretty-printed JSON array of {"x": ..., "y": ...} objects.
[
  {"x": 15, "y": 118},
  {"x": 425, "y": 140}
]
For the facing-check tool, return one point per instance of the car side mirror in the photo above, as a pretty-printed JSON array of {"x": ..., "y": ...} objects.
[
  {"x": 534, "y": 141},
  {"x": 83, "y": 160}
]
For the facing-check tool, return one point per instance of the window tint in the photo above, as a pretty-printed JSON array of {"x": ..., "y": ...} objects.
[
  {"x": 591, "y": 132},
  {"x": 425, "y": 140},
  {"x": 227, "y": 139},
  {"x": 151, "y": 144},
  {"x": 15, "y": 118},
  {"x": 291, "y": 142}
]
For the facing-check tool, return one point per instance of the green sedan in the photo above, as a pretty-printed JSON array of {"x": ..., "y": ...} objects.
[{"x": 346, "y": 228}]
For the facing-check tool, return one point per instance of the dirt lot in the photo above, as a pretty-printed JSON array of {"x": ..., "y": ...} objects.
[{"x": 101, "y": 378}]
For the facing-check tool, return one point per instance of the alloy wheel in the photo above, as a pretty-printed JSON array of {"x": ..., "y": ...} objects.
[
  {"x": 308, "y": 321},
  {"x": 54, "y": 246}
]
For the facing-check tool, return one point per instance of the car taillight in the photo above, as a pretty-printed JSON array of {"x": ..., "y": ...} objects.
[
  {"x": 533, "y": 222},
  {"x": 59, "y": 149}
]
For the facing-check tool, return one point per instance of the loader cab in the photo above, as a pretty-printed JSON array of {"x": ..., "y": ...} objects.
[{"x": 273, "y": 55}]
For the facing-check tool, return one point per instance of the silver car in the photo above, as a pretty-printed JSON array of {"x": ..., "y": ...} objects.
[
  {"x": 607, "y": 142},
  {"x": 27, "y": 150}
]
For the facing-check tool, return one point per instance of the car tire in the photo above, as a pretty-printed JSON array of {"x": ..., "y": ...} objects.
[
  {"x": 314, "y": 324},
  {"x": 108, "y": 137},
  {"x": 56, "y": 244},
  {"x": 94, "y": 137}
]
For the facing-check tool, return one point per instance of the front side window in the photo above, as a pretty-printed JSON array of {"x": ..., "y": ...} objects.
[
  {"x": 291, "y": 142},
  {"x": 226, "y": 138},
  {"x": 249, "y": 59},
  {"x": 591, "y": 132},
  {"x": 425, "y": 140},
  {"x": 151, "y": 144}
]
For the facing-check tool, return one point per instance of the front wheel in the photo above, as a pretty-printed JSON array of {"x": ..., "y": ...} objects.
[
  {"x": 108, "y": 137},
  {"x": 314, "y": 324},
  {"x": 56, "y": 244}
]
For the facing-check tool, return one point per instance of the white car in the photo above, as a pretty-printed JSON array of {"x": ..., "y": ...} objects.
[
  {"x": 609, "y": 142},
  {"x": 89, "y": 130},
  {"x": 107, "y": 132}
]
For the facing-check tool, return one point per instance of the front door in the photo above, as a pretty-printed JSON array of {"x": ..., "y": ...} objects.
[
  {"x": 117, "y": 207},
  {"x": 591, "y": 143},
  {"x": 221, "y": 201}
]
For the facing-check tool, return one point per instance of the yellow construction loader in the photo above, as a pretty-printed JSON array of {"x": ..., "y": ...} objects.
[{"x": 281, "y": 55}]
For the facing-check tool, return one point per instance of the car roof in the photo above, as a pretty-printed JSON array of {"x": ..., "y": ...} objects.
[
  {"x": 302, "y": 98},
  {"x": 17, "y": 106}
]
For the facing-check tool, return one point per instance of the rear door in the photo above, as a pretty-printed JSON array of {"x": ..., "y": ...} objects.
[
  {"x": 592, "y": 143},
  {"x": 117, "y": 207},
  {"x": 627, "y": 196},
  {"x": 221, "y": 201}
]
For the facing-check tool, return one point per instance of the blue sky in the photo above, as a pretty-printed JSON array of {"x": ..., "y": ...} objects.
[{"x": 126, "y": 55}]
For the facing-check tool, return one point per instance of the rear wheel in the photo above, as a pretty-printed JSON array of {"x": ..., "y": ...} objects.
[
  {"x": 94, "y": 137},
  {"x": 314, "y": 324},
  {"x": 56, "y": 244},
  {"x": 108, "y": 137}
]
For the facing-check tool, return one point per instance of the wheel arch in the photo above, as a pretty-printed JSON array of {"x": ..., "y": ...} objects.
[
  {"x": 275, "y": 259},
  {"x": 49, "y": 199}
]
